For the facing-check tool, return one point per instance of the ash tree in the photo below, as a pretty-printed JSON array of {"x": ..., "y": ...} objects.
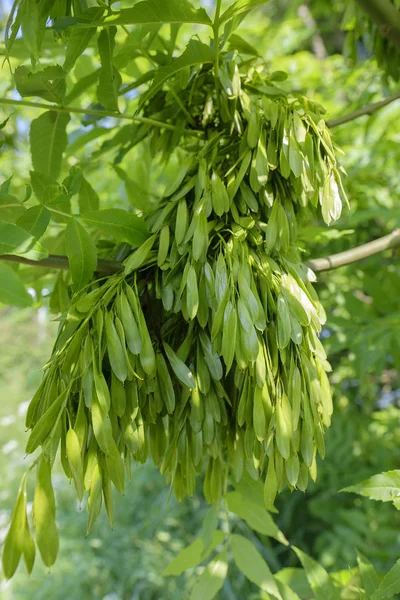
[{"x": 189, "y": 321}]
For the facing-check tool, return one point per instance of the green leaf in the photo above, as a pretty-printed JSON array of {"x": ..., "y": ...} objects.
[
  {"x": 296, "y": 579},
  {"x": 318, "y": 578},
  {"x": 190, "y": 557},
  {"x": 256, "y": 516},
  {"x": 209, "y": 526},
  {"x": 48, "y": 140},
  {"x": 241, "y": 7},
  {"x": 12, "y": 290},
  {"x": 138, "y": 197},
  {"x": 88, "y": 197},
  {"x": 110, "y": 79},
  {"x": 82, "y": 140},
  {"x": 238, "y": 43},
  {"x": 384, "y": 487},
  {"x": 250, "y": 562},
  {"x": 48, "y": 84},
  {"x": 252, "y": 490},
  {"x": 28, "y": 14},
  {"x": 119, "y": 224},
  {"x": 286, "y": 592},
  {"x": 35, "y": 220},
  {"x": 390, "y": 585},
  {"x": 157, "y": 12},
  {"x": 212, "y": 579},
  {"x": 4, "y": 123},
  {"x": 81, "y": 252},
  {"x": 82, "y": 85},
  {"x": 196, "y": 53},
  {"x": 79, "y": 40},
  {"x": 369, "y": 577},
  {"x": 15, "y": 240},
  {"x": 44, "y": 186},
  {"x": 10, "y": 208}
]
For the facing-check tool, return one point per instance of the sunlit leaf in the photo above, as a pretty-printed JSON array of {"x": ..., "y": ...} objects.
[
  {"x": 48, "y": 84},
  {"x": 250, "y": 562},
  {"x": 318, "y": 578},
  {"x": 212, "y": 579},
  {"x": 12, "y": 290},
  {"x": 196, "y": 53},
  {"x": 28, "y": 14},
  {"x": 119, "y": 224},
  {"x": 109, "y": 79},
  {"x": 48, "y": 140},
  {"x": 35, "y": 220},
  {"x": 81, "y": 252},
  {"x": 369, "y": 577},
  {"x": 241, "y": 7},
  {"x": 88, "y": 197},
  {"x": 256, "y": 516},
  {"x": 384, "y": 487},
  {"x": 193, "y": 555},
  {"x": 156, "y": 12},
  {"x": 15, "y": 240},
  {"x": 79, "y": 40},
  {"x": 390, "y": 585}
]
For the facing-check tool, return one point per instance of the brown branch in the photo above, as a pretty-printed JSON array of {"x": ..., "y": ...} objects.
[
  {"x": 386, "y": 16},
  {"x": 108, "y": 267},
  {"x": 54, "y": 261},
  {"x": 368, "y": 109},
  {"x": 355, "y": 254}
]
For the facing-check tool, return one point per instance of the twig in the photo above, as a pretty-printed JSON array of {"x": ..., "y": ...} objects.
[
  {"x": 109, "y": 267},
  {"x": 216, "y": 27},
  {"x": 386, "y": 16},
  {"x": 368, "y": 109},
  {"x": 355, "y": 254},
  {"x": 100, "y": 113},
  {"x": 54, "y": 261}
]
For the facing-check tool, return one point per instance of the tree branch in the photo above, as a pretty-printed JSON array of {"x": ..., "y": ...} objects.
[
  {"x": 368, "y": 109},
  {"x": 54, "y": 261},
  {"x": 100, "y": 113},
  {"x": 386, "y": 16},
  {"x": 355, "y": 254},
  {"x": 109, "y": 267}
]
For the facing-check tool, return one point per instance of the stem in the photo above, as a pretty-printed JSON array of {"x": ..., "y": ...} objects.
[
  {"x": 386, "y": 17},
  {"x": 216, "y": 26},
  {"x": 181, "y": 106},
  {"x": 109, "y": 267},
  {"x": 54, "y": 261},
  {"x": 59, "y": 212},
  {"x": 368, "y": 109},
  {"x": 355, "y": 254},
  {"x": 92, "y": 111}
]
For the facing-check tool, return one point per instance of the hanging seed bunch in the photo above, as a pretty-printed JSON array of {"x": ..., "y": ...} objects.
[{"x": 203, "y": 353}]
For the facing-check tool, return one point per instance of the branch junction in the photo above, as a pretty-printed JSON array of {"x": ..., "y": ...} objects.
[{"x": 108, "y": 267}]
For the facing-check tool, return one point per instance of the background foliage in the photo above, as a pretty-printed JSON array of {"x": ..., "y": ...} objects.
[{"x": 361, "y": 337}]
